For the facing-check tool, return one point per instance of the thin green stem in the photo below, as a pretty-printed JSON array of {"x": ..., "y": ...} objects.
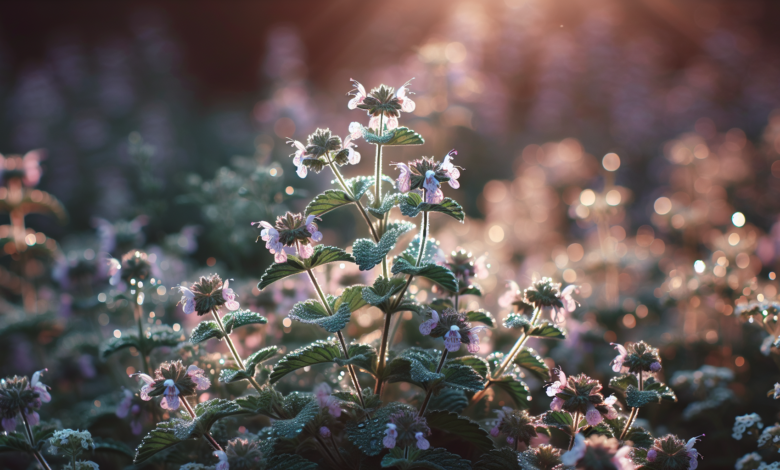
[
  {"x": 349, "y": 192},
  {"x": 233, "y": 350},
  {"x": 634, "y": 411},
  {"x": 429, "y": 394},
  {"x": 575, "y": 428},
  {"x": 31, "y": 438},
  {"x": 208, "y": 437},
  {"x": 344, "y": 350}
]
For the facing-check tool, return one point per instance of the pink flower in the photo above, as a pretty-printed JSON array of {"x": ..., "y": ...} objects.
[
  {"x": 555, "y": 388},
  {"x": 404, "y": 181},
  {"x": 390, "y": 434},
  {"x": 473, "y": 346},
  {"x": 422, "y": 442},
  {"x": 299, "y": 157},
  {"x": 451, "y": 170},
  {"x": 430, "y": 324},
  {"x": 390, "y": 122},
  {"x": 229, "y": 296},
  {"x": 9, "y": 424},
  {"x": 433, "y": 193},
  {"x": 611, "y": 411},
  {"x": 359, "y": 94},
  {"x": 352, "y": 155},
  {"x": 481, "y": 267},
  {"x": 325, "y": 432},
  {"x": 325, "y": 400},
  {"x": 569, "y": 304},
  {"x": 41, "y": 388},
  {"x": 223, "y": 460},
  {"x": 452, "y": 339},
  {"x": 651, "y": 455},
  {"x": 556, "y": 404},
  {"x": 199, "y": 377},
  {"x": 187, "y": 300},
  {"x": 593, "y": 417},
  {"x": 407, "y": 105},
  {"x": 617, "y": 363},
  {"x": 655, "y": 367},
  {"x": 622, "y": 460},
  {"x": 270, "y": 236},
  {"x": 170, "y": 399},
  {"x": 355, "y": 130},
  {"x": 148, "y": 382},
  {"x": 305, "y": 251}
]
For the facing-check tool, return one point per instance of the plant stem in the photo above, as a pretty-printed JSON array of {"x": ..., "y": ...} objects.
[
  {"x": 208, "y": 437},
  {"x": 31, "y": 438},
  {"x": 233, "y": 350},
  {"x": 575, "y": 427},
  {"x": 349, "y": 192},
  {"x": 509, "y": 358},
  {"x": 383, "y": 353},
  {"x": 429, "y": 394},
  {"x": 326, "y": 305},
  {"x": 634, "y": 411},
  {"x": 138, "y": 310}
]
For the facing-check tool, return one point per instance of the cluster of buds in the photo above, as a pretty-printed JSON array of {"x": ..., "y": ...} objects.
[
  {"x": 750, "y": 424},
  {"x": 406, "y": 428},
  {"x": 464, "y": 266},
  {"x": 598, "y": 452},
  {"x": 20, "y": 396},
  {"x": 171, "y": 381},
  {"x": 320, "y": 148},
  {"x": 636, "y": 357},
  {"x": 518, "y": 425},
  {"x": 207, "y": 294},
  {"x": 243, "y": 454},
  {"x": 673, "y": 453},
  {"x": 428, "y": 174},
  {"x": 382, "y": 103},
  {"x": 542, "y": 457},
  {"x": 580, "y": 394},
  {"x": 134, "y": 268},
  {"x": 545, "y": 293},
  {"x": 322, "y": 393},
  {"x": 293, "y": 231},
  {"x": 454, "y": 328},
  {"x": 71, "y": 443}
]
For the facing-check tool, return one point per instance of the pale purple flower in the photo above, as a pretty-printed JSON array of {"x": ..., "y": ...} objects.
[
  {"x": 569, "y": 304},
  {"x": 300, "y": 156},
  {"x": 170, "y": 399},
  {"x": 223, "y": 460},
  {"x": 617, "y": 363},
  {"x": 494, "y": 431},
  {"x": 33, "y": 418},
  {"x": 555, "y": 388},
  {"x": 510, "y": 440},
  {"x": 452, "y": 171},
  {"x": 452, "y": 339},
  {"x": 433, "y": 193},
  {"x": 187, "y": 300},
  {"x": 359, "y": 94},
  {"x": 407, "y": 105},
  {"x": 622, "y": 459},
  {"x": 229, "y": 296},
  {"x": 199, "y": 377},
  {"x": 593, "y": 417},
  {"x": 577, "y": 452},
  {"x": 355, "y": 130},
  {"x": 352, "y": 155},
  {"x": 651, "y": 455},
  {"x": 322, "y": 393},
  {"x": 655, "y": 367},
  {"x": 556, "y": 404},
  {"x": 9, "y": 424},
  {"x": 148, "y": 382},
  {"x": 123, "y": 408},
  {"x": 390, "y": 434},
  {"x": 473, "y": 346},
  {"x": 270, "y": 236},
  {"x": 430, "y": 324},
  {"x": 422, "y": 442},
  {"x": 404, "y": 182},
  {"x": 325, "y": 432},
  {"x": 316, "y": 235},
  {"x": 611, "y": 411},
  {"x": 40, "y": 387},
  {"x": 693, "y": 454}
]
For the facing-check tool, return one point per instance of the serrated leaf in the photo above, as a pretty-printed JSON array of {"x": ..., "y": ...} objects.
[
  {"x": 161, "y": 438},
  {"x": 319, "y": 352},
  {"x": 323, "y": 254},
  {"x": 621, "y": 382},
  {"x": 475, "y": 362},
  {"x": 499, "y": 459},
  {"x": 369, "y": 254},
  {"x": 516, "y": 389},
  {"x": 640, "y": 437},
  {"x": 353, "y": 296},
  {"x": 461, "y": 427},
  {"x": 314, "y": 313},
  {"x": 367, "y": 434},
  {"x": 547, "y": 330},
  {"x": 463, "y": 377},
  {"x": 388, "y": 202},
  {"x": 315, "y": 164},
  {"x": 290, "y": 428},
  {"x": 397, "y": 136},
  {"x": 558, "y": 419},
  {"x": 328, "y": 201},
  {"x": 471, "y": 289},
  {"x": 637, "y": 399},
  {"x": 233, "y": 375},
  {"x": 431, "y": 459},
  {"x": 449, "y": 399},
  {"x": 533, "y": 363},
  {"x": 206, "y": 414},
  {"x": 666, "y": 393},
  {"x": 412, "y": 205},
  {"x": 14, "y": 442},
  {"x": 481, "y": 316},
  {"x": 206, "y": 330},
  {"x": 433, "y": 272},
  {"x": 289, "y": 462},
  {"x": 112, "y": 345},
  {"x": 363, "y": 356},
  {"x": 379, "y": 294},
  {"x": 433, "y": 252},
  {"x": 239, "y": 318},
  {"x": 259, "y": 357},
  {"x": 360, "y": 184},
  {"x": 263, "y": 403},
  {"x": 517, "y": 321},
  {"x": 416, "y": 366}
]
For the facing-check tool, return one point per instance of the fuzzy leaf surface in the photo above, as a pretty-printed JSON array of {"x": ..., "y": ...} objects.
[
  {"x": 481, "y": 316},
  {"x": 369, "y": 254},
  {"x": 412, "y": 205},
  {"x": 158, "y": 440},
  {"x": 367, "y": 434},
  {"x": 290, "y": 428},
  {"x": 433, "y": 272},
  {"x": 516, "y": 389},
  {"x": 323, "y": 254},
  {"x": 389, "y": 201},
  {"x": 637, "y": 399},
  {"x": 461, "y": 427},
  {"x": 477, "y": 363},
  {"x": 206, "y": 330},
  {"x": 547, "y": 330},
  {"x": 529, "y": 360},
  {"x": 239, "y": 318},
  {"x": 312, "y": 312},
  {"x": 328, "y": 201}
]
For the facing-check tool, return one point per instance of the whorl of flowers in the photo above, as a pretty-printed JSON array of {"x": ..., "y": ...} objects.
[
  {"x": 135, "y": 267},
  {"x": 382, "y": 101},
  {"x": 428, "y": 174},
  {"x": 747, "y": 423},
  {"x": 71, "y": 443},
  {"x": 322, "y": 393},
  {"x": 206, "y": 294},
  {"x": 243, "y": 453},
  {"x": 636, "y": 357},
  {"x": 171, "y": 381},
  {"x": 547, "y": 293},
  {"x": 580, "y": 394},
  {"x": 598, "y": 452},
  {"x": 543, "y": 457},
  {"x": 518, "y": 426},
  {"x": 291, "y": 230},
  {"x": 672, "y": 453},
  {"x": 18, "y": 395},
  {"x": 322, "y": 143},
  {"x": 454, "y": 328},
  {"x": 465, "y": 266},
  {"x": 406, "y": 428}
]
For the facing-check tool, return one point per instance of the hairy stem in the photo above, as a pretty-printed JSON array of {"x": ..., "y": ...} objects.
[
  {"x": 31, "y": 438},
  {"x": 349, "y": 192},
  {"x": 429, "y": 394},
  {"x": 208, "y": 437},
  {"x": 575, "y": 428},
  {"x": 233, "y": 350},
  {"x": 634, "y": 411},
  {"x": 326, "y": 305}
]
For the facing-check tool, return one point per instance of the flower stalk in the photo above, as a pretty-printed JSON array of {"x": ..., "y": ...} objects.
[
  {"x": 31, "y": 439},
  {"x": 232, "y": 347},
  {"x": 575, "y": 428}
]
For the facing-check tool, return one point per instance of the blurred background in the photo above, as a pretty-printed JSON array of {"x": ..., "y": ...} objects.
[{"x": 628, "y": 147}]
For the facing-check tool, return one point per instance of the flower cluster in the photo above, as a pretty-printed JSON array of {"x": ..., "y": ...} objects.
[
  {"x": 171, "y": 381},
  {"x": 71, "y": 443},
  {"x": 464, "y": 266},
  {"x": 320, "y": 149},
  {"x": 749, "y": 424},
  {"x": 580, "y": 394},
  {"x": 243, "y": 454},
  {"x": 427, "y": 174},
  {"x": 454, "y": 328},
  {"x": 291, "y": 230},
  {"x": 406, "y": 428},
  {"x": 518, "y": 425},
  {"x": 770, "y": 437},
  {"x": 382, "y": 103},
  {"x": 207, "y": 294},
  {"x": 672, "y": 453},
  {"x": 323, "y": 394},
  {"x": 18, "y": 396},
  {"x": 135, "y": 267},
  {"x": 635, "y": 357},
  {"x": 545, "y": 293},
  {"x": 597, "y": 452}
]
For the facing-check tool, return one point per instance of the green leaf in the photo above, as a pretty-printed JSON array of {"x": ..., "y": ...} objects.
[
  {"x": 319, "y": 352},
  {"x": 463, "y": 377},
  {"x": 112, "y": 345},
  {"x": 206, "y": 414},
  {"x": 263, "y": 404},
  {"x": 328, "y": 201},
  {"x": 323, "y": 254},
  {"x": 206, "y": 330},
  {"x": 516, "y": 389},
  {"x": 499, "y": 459},
  {"x": 290, "y": 428},
  {"x": 389, "y": 201},
  {"x": 640, "y": 437},
  {"x": 352, "y": 296},
  {"x": 233, "y": 375},
  {"x": 368, "y": 254},
  {"x": 416, "y": 366},
  {"x": 161, "y": 438},
  {"x": 259, "y": 357},
  {"x": 397, "y": 136},
  {"x": 547, "y": 330},
  {"x": 449, "y": 399},
  {"x": 433, "y": 272},
  {"x": 558, "y": 419},
  {"x": 461, "y": 427},
  {"x": 471, "y": 289},
  {"x": 379, "y": 294},
  {"x": 239, "y": 318},
  {"x": 432, "y": 251},
  {"x": 431, "y": 459},
  {"x": 367, "y": 434},
  {"x": 313, "y": 312},
  {"x": 482, "y": 316},
  {"x": 666, "y": 393},
  {"x": 363, "y": 356},
  {"x": 360, "y": 184},
  {"x": 533, "y": 363},
  {"x": 517, "y": 321},
  {"x": 289, "y": 462},
  {"x": 14, "y": 442},
  {"x": 622, "y": 382},
  {"x": 637, "y": 399},
  {"x": 412, "y": 205},
  {"x": 327, "y": 254},
  {"x": 110, "y": 445},
  {"x": 479, "y": 364}
]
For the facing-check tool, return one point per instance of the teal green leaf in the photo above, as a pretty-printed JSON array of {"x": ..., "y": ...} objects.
[
  {"x": 432, "y": 254},
  {"x": 363, "y": 356},
  {"x": 637, "y": 399},
  {"x": 397, "y": 136},
  {"x": 327, "y": 254},
  {"x": 449, "y": 399},
  {"x": 313, "y": 313},
  {"x": 516, "y": 389},
  {"x": 533, "y": 363},
  {"x": 558, "y": 419},
  {"x": 666, "y": 393},
  {"x": 547, "y": 330},
  {"x": 517, "y": 321},
  {"x": 14, "y": 442},
  {"x": 481, "y": 316},
  {"x": 621, "y": 382},
  {"x": 239, "y": 318},
  {"x": 379, "y": 294},
  {"x": 367, "y": 434},
  {"x": 290, "y": 428},
  {"x": 500, "y": 459},
  {"x": 323, "y": 254},
  {"x": 160, "y": 439},
  {"x": 112, "y": 345},
  {"x": 328, "y": 201},
  {"x": 259, "y": 357},
  {"x": 206, "y": 330},
  {"x": 352, "y": 296},
  {"x": 263, "y": 404},
  {"x": 471, "y": 289},
  {"x": 433, "y": 272},
  {"x": 233, "y": 375},
  {"x": 388, "y": 202},
  {"x": 431, "y": 459},
  {"x": 460, "y": 426},
  {"x": 463, "y": 377},
  {"x": 319, "y": 352},
  {"x": 206, "y": 414},
  {"x": 369, "y": 254},
  {"x": 359, "y": 185},
  {"x": 475, "y": 362},
  {"x": 413, "y": 204},
  {"x": 640, "y": 437}
]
